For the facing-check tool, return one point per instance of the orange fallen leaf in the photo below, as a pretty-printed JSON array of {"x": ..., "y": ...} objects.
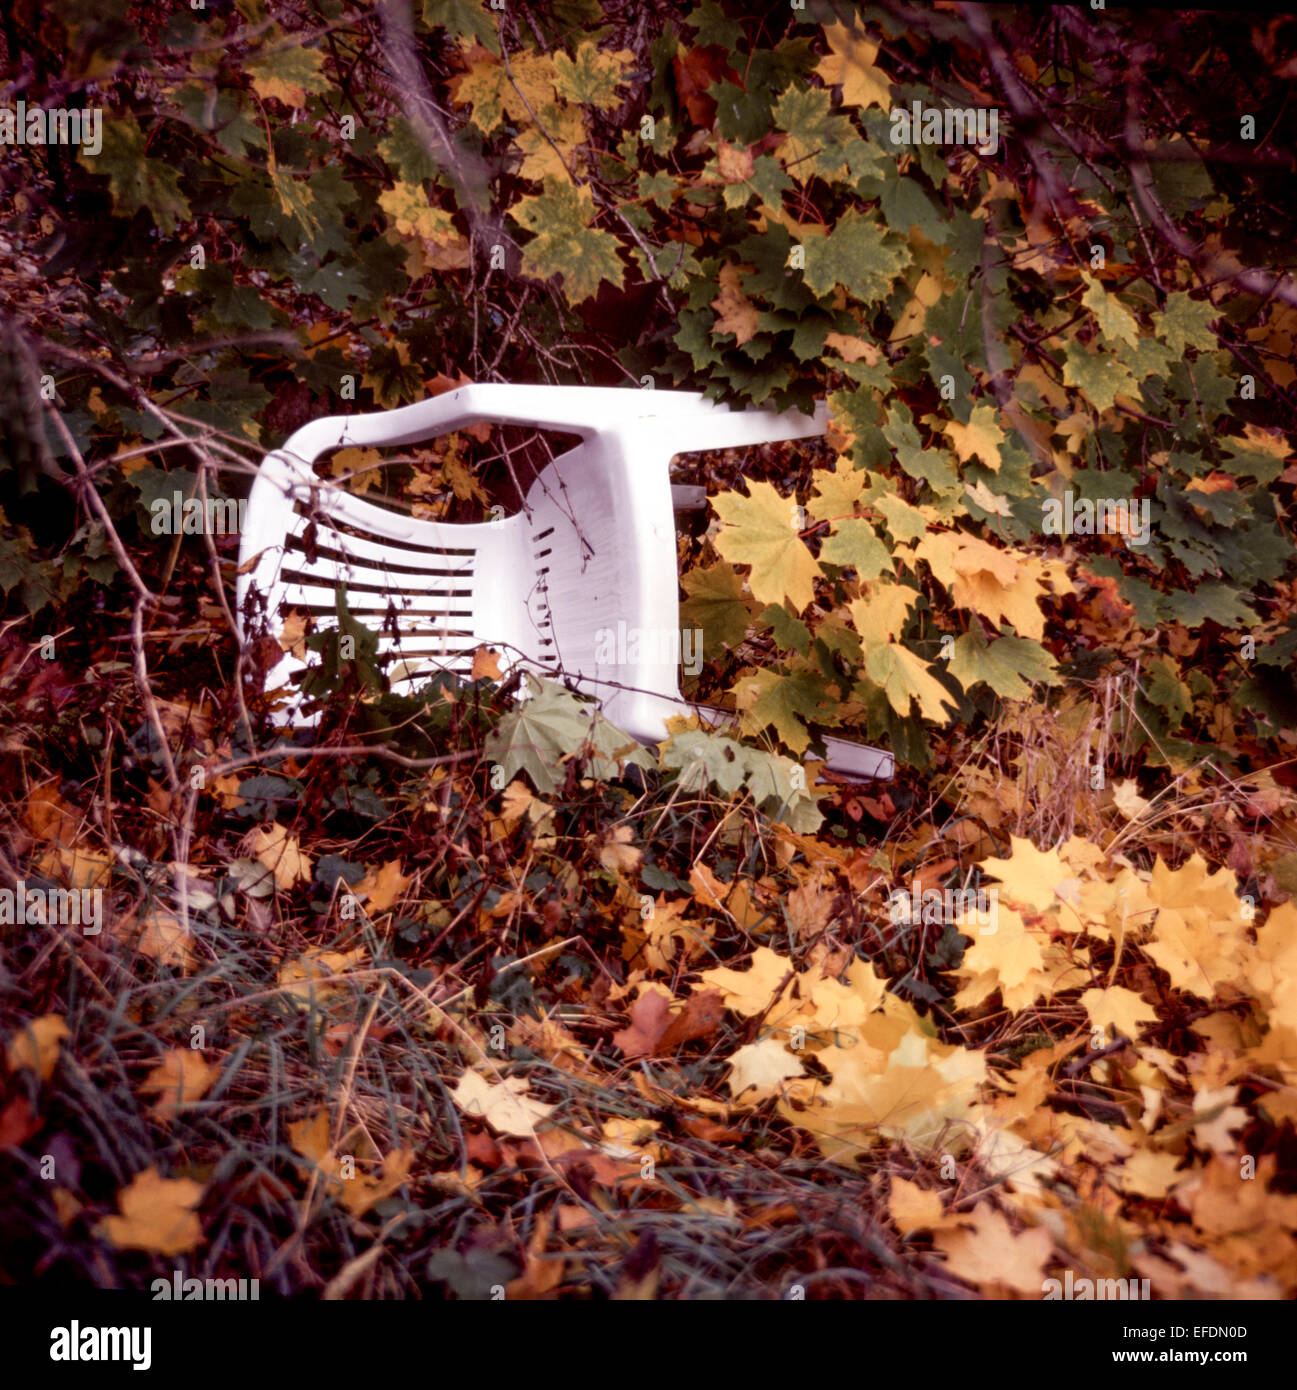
[
  {"x": 157, "y": 1214},
  {"x": 36, "y": 1045}
]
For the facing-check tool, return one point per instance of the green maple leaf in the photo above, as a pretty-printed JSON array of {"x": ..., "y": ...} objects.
[
  {"x": 592, "y": 77},
  {"x": 856, "y": 255},
  {"x": 762, "y": 531},
  {"x": 466, "y": 19},
  {"x": 1099, "y": 376},
  {"x": 289, "y": 75},
  {"x": 715, "y": 604},
  {"x": 1115, "y": 320},
  {"x": 542, "y": 732},
  {"x": 1009, "y": 665},
  {"x": 906, "y": 523},
  {"x": 855, "y": 543},
  {"x": 703, "y": 757},
  {"x": 565, "y": 243},
  {"x": 816, "y": 136},
  {"x": 790, "y": 634},
  {"x": 1185, "y": 322},
  {"x": 137, "y": 181},
  {"x": 785, "y": 702}
]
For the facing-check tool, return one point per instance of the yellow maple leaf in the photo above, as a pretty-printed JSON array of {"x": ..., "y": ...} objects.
[
  {"x": 763, "y": 1065},
  {"x": 853, "y": 348},
  {"x": 1215, "y": 1117},
  {"x": 988, "y": 1252},
  {"x": 1030, "y": 876},
  {"x": 882, "y": 614},
  {"x": 1126, "y": 798},
  {"x": 1147, "y": 1173},
  {"x": 1118, "y": 1009},
  {"x": 913, "y": 1209},
  {"x": 315, "y": 973},
  {"x": 414, "y": 216},
  {"x": 749, "y": 992},
  {"x": 505, "y": 1105},
  {"x": 279, "y": 851},
  {"x": 1272, "y": 972},
  {"x": 1012, "y": 951},
  {"x": 851, "y": 64},
  {"x": 762, "y": 531},
  {"x": 181, "y": 1077},
  {"x": 381, "y": 887},
  {"x": 36, "y": 1045},
  {"x": 551, "y": 150},
  {"x": 491, "y": 93},
  {"x": 360, "y": 468},
  {"x": 992, "y": 581},
  {"x": 157, "y": 1214},
  {"x": 981, "y": 438},
  {"x": 905, "y": 676}
]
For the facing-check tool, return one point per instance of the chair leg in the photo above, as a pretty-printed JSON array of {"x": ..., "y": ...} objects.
[
  {"x": 687, "y": 498},
  {"x": 843, "y": 757}
]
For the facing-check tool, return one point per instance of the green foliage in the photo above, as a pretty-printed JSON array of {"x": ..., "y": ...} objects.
[{"x": 986, "y": 345}]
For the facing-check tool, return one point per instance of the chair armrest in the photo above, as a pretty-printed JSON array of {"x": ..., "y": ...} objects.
[{"x": 684, "y": 420}]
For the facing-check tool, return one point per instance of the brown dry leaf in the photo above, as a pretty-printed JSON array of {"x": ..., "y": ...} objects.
[
  {"x": 699, "y": 1018},
  {"x": 279, "y": 851},
  {"x": 362, "y": 1192},
  {"x": 617, "y": 854},
  {"x": 49, "y": 817},
  {"x": 441, "y": 383},
  {"x": 292, "y": 635},
  {"x": 709, "y": 892},
  {"x": 157, "y": 1214},
  {"x": 68, "y": 859},
  {"x": 310, "y": 1138},
  {"x": 182, "y": 1077},
  {"x": 810, "y": 909},
  {"x": 486, "y": 665},
  {"x": 735, "y": 162},
  {"x": 735, "y": 312},
  {"x": 650, "y": 1016},
  {"x": 18, "y": 1122},
  {"x": 165, "y": 940},
  {"x": 542, "y": 1275},
  {"x": 913, "y": 1209},
  {"x": 36, "y": 1045}
]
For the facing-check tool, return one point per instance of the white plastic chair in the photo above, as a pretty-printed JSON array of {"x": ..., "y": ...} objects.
[{"x": 595, "y": 544}]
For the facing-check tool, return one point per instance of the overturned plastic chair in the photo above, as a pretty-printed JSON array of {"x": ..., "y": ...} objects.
[{"x": 591, "y": 553}]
